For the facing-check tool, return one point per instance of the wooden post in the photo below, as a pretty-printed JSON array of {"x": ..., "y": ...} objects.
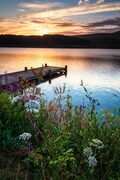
[
  {"x": 65, "y": 70},
  {"x": 49, "y": 81},
  {"x": 49, "y": 76},
  {"x": 50, "y": 73},
  {"x": 45, "y": 65},
  {"x": 26, "y": 69},
  {"x": 65, "y": 67}
]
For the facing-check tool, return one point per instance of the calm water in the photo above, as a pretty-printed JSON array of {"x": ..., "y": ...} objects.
[{"x": 99, "y": 69}]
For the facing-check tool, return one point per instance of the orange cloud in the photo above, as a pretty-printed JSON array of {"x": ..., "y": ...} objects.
[
  {"x": 55, "y": 21},
  {"x": 73, "y": 11},
  {"x": 41, "y": 6}
]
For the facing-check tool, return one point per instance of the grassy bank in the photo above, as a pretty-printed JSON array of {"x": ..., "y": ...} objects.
[{"x": 49, "y": 140}]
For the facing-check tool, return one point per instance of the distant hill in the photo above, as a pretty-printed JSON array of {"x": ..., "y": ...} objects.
[
  {"x": 60, "y": 41},
  {"x": 116, "y": 34},
  {"x": 46, "y": 41},
  {"x": 104, "y": 40}
]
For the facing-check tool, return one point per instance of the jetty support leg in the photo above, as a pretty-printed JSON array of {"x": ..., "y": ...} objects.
[
  {"x": 49, "y": 76},
  {"x": 66, "y": 70}
]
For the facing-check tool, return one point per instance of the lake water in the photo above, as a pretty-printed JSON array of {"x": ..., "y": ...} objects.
[{"x": 99, "y": 69}]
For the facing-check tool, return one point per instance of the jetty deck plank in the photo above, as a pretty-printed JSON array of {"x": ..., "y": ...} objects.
[{"x": 31, "y": 74}]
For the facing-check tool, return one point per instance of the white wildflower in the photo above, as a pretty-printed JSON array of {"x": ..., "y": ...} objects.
[
  {"x": 25, "y": 136},
  {"x": 97, "y": 143},
  {"x": 92, "y": 161},
  {"x": 88, "y": 151},
  {"x": 32, "y": 110},
  {"x": 32, "y": 105},
  {"x": 15, "y": 99}
]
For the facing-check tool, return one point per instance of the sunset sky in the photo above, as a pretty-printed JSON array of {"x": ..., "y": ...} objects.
[{"x": 69, "y": 17}]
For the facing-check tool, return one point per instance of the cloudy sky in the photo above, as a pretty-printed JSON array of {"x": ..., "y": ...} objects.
[{"x": 70, "y": 17}]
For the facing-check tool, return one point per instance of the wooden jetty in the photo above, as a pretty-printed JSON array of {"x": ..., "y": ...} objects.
[{"x": 39, "y": 75}]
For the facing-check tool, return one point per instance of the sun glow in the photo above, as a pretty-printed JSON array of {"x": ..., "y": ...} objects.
[{"x": 40, "y": 29}]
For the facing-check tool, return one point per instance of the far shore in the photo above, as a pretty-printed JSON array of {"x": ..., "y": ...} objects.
[{"x": 90, "y": 41}]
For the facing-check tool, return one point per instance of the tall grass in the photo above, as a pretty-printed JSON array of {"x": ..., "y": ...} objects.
[{"x": 55, "y": 141}]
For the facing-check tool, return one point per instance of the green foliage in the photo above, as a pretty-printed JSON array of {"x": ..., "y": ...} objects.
[
  {"x": 35, "y": 159},
  {"x": 13, "y": 116},
  {"x": 59, "y": 137}
]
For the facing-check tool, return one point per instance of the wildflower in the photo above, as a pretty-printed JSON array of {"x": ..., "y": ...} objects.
[
  {"x": 25, "y": 136},
  {"x": 92, "y": 161},
  {"x": 15, "y": 99},
  {"x": 38, "y": 91},
  {"x": 51, "y": 105},
  {"x": 32, "y": 105},
  {"x": 32, "y": 110},
  {"x": 97, "y": 143},
  {"x": 88, "y": 151}
]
